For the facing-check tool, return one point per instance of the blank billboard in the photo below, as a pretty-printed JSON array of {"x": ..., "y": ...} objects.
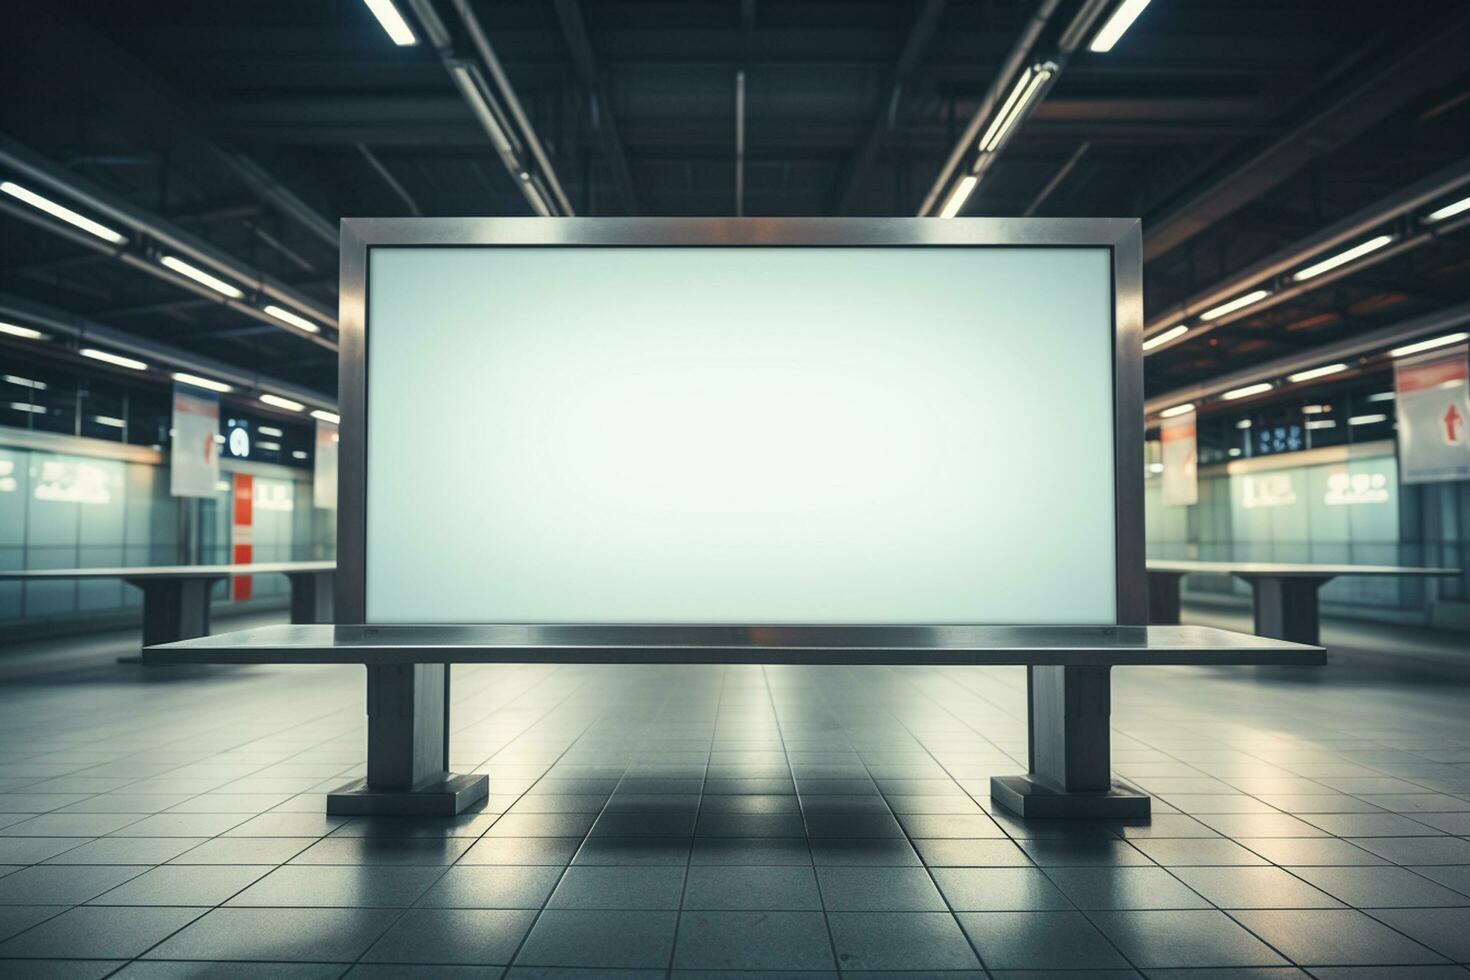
[{"x": 813, "y": 435}]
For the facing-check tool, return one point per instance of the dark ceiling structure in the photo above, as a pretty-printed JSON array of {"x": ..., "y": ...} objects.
[{"x": 1253, "y": 137}]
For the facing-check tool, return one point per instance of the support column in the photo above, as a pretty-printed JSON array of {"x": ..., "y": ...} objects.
[
  {"x": 1287, "y": 608},
  {"x": 174, "y": 608},
  {"x": 408, "y": 749},
  {"x": 1163, "y": 597},
  {"x": 1069, "y": 736},
  {"x": 311, "y": 596}
]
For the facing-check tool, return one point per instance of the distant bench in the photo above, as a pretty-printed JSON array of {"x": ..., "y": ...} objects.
[
  {"x": 1068, "y": 681},
  {"x": 1284, "y": 594},
  {"x": 176, "y": 597}
]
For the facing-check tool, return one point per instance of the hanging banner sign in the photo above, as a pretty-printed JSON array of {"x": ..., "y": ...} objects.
[
  {"x": 324, "y": 467},
  {"x": 193, "y": 462},
  {"x": 1432, "y": 394},
  {"x": 1180, "y": 458}
]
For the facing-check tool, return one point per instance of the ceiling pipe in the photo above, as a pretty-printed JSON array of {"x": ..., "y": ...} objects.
[
  {"x": 156, "y": 355},
  {"x": 1372, "y": 342},
  {"x": 34, "y": 167},
  {"x": 1348, "y": 231}
]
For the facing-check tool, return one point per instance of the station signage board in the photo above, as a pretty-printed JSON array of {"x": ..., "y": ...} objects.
[
  {"x": 1432, "y": 395},
  {"x": 194, "y": 450},
  {"x": 1181, "y": 460}
]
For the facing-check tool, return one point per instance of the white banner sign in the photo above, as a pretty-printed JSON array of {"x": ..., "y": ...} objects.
[
  {"x": 324, "y": 475},
  {"x": 194, "y": 453},
  {"x": 1433, "y": 398},
  {"x": 1180, "y": 458}
]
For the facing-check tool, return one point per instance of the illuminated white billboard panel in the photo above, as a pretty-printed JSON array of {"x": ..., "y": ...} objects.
[{"x": 742, "y": 435}]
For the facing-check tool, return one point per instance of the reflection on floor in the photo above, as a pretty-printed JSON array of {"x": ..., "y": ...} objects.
[{"x": 650, "y": 821}]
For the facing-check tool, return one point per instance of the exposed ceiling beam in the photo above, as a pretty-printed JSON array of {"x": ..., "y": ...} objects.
[
  {"x": 885, "y": 119},
  {"x": 574, "y": 32},
  {"x": 1351, "y": 106}
]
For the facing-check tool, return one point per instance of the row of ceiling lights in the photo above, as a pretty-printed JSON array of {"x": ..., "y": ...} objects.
[
  {"x": 183, "y": 377},
  {"x": 171, "y": 262},
  {"x": 1322, "y": 371},
  {"x": 1317, "y": 268},
  {"x": 1024, "y": 93}
]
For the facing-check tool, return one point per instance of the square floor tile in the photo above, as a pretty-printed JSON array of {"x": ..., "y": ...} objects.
[
  {"x": 468, "y": 936},
  {"x": 1183, "y": 939},
  {"x": 198, "y": 885},
  {"x": 1197, "y": 852},
  {"x": 998, "y": 889},
  {"x": 594, "y": 887},
  {"x": 242, "y": 850},
  {"x": 899, "y": 941},
  {"x": 338, "y": 886},
  {"x": 879, "y": 890},
  {"x": 99, "y": 933},
  {"x": 750, "y": 940},
  {"x": 633, "y": 851},
  {"x": 48, "y": 884},
  {"x": 287, "y": 935},
  {"x": 1313, "y": 851},
  {"x": 18, "y": 918},
  {"x": 753, "y": 851},
  {"x": 780, "y": 888},
  {"x": 1125, "y": 888},
  {"x": 383, "y": 850},
  {"x": 1418, "y": 850},
  {"x": 1446, "y": 931},
  {"x": 604, "y": 940},
  {"x": 1039, "y": 941},
  {"x": 555, "y": 851},
  {"x": 870, "y": 853},
  {"x": 960, "y": 853},
  {"x": 1084, "y": 852},
  {"x": 127, "y": 850},
  {"x": 1255, "y": 888},
  {"x": 492, "y": 887},
  {"x": 1334, "y": 937}
]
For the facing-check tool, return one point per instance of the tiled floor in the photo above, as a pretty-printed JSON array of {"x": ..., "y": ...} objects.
[{"x": 694, "y": 822}]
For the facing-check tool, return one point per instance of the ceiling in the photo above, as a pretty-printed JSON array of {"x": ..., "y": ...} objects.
[{"x": 1233, "y": 128}]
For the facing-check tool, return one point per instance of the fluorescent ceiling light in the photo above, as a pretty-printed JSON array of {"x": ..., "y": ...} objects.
[
  {"x": 1342, "y": 258},
  {"x": 1322, "y": 424},
  {"x": 1247, "y": 391},
  {"x": 116, "y": 423},
  {"x": 1116, "y": 25},
  {"x": 298, "y": 454},
  {"x": 28, "y": 407},
  {"x": 279, "y": 402},
  {"x": 64, "y": 213},
  {"x": 270, "y": 430},
  {"x": 993, "y": 132},
  {"x": 111, "y": 358},
  {"x": 1184, "y": 409},
  {"x": 1238, "y": 303},
  {"x": 198, "y": 382},
  {"x": 326, "y": 416},
  {"x": 1178, "y": 330},
  {"x": 1234, "y": 450},
  {"x": 272, "y": 446},
  {"x": 1156, "y": 467},
  {"x": 1316, "y": 372},
  {"x": 1015, "y": 109},
  {"x": 533, "y": 194},
  {"x": 200, "y": 276},
  {"x": 1449, "y": 210},
  {"x": 958, "y": 196},
  {"x": 1367, "y": 419},
  {"x": 393, "y": 22},
  {"x": 16, "y": 330},
  {"x": 286, "y": 316},
  {"x": 1316, "y": 409},
  {"x": 1243, "y": 424},
  {"x": 24, "y": 382},
  {"x": 1380, "y": 396},
  {"x": 1423, "y": 345}
]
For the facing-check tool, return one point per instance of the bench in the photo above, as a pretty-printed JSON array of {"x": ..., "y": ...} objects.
[
  {"x": 1068, "y": 681},
  {"x": 706, "y": 425},
  {"x": 1284, "y": 595},
  {"x": 176, "y": 597}
]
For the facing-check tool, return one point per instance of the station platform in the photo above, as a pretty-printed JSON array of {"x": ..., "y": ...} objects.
[{"x": 719, "y": 821}]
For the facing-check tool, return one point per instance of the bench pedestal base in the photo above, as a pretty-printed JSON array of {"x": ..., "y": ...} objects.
[
  {"x": 446, "y": 797},
  {"x": 1025, "y": 797},
  {"x": 1068, "y": 712}
]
